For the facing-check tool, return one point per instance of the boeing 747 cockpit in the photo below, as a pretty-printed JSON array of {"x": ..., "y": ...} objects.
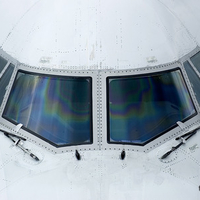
[{"x": 99, "y": 100}]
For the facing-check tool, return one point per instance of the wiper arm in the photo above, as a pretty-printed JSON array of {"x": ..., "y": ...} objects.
[
  {"x": 190, "y": 134},
  {"x": 11, "y": 134},
  {"x": 17, "y": 143},
  {"x": 186, "y": 134}
]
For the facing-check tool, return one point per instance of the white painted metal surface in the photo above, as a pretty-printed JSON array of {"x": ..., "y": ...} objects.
[{"x": 99, "y": 35}]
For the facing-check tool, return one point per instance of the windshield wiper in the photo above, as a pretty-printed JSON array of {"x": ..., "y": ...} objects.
[
  {"x": 17, "y": 143},
  {"x": 14, "y": 135},
  {"x": 189, "y": 135}
]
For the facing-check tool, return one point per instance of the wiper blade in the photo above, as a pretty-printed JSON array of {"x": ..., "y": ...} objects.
[
  {"x": 11, "y": 134},
  {"x": 186, "y": 134},
  {"x": 17, "y": 143},
  {"x": 190, "y": 134}
]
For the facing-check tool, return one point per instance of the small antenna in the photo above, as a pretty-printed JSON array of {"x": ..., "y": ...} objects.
[
  {"x": 78, "y": 156},
  {"x": 123, "y": 155}
]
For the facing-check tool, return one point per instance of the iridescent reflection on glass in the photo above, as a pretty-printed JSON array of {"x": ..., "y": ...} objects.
[
  {"x": 55, "y": 108},
  {"x": 144, "y": 107}
]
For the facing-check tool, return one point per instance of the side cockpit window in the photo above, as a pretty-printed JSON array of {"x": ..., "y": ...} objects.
[
  {"x": 3, "y": 63},
  {"x": 196, "y": 61},
  {"x": 194, "y": 79},
  {"x": 5, "y": 78}
]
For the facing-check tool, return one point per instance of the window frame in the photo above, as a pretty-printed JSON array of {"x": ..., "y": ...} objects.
[
  {"x": 150, "y": 145},
  {"x": 37, "y": 134},
  {"x": 140, "y": 76},
  {"x": 24, "y": 132}
]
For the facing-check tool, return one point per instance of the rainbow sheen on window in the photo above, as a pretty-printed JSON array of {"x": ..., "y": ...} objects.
[
  {"x": 57, "y": 109},
  {"x": 141, "y": 108}
]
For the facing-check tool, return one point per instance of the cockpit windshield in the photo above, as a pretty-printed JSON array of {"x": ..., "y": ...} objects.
[
  {"x": 57, "y": 109},
  {"x": 141, "y": 108}
]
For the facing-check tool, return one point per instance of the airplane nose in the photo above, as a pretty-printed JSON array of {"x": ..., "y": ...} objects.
[{"x": 95, "y": 35}]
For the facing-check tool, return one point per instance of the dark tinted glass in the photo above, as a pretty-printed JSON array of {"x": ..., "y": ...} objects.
[
  {"x": 194, "y": 79},
  {"x": 5, "y": 80},
  {"x": 57, "y": 109},
  {"x": 142, "y": 108},
  {"x": 3, "y": 63},
  {"x": 196, "y": 61}
]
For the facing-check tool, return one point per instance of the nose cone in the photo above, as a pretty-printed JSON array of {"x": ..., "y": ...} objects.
[{"x": 87, "y": 34}]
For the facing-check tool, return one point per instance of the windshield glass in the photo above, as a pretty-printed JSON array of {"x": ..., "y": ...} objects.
[
  {"x": 57, "y": 109},
  {"x": 141, "y": 108}
]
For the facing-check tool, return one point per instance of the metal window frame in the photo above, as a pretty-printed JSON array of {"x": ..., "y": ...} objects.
[
  {"x": 36, "y": 140},
  {"x": 159, "y": 140},
  {"x": 38, "y": 135},
  {"x": 187, "y": 58}
]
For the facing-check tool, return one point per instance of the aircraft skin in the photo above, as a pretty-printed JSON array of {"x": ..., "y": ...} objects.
[{"x": 99, "y": 39}]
